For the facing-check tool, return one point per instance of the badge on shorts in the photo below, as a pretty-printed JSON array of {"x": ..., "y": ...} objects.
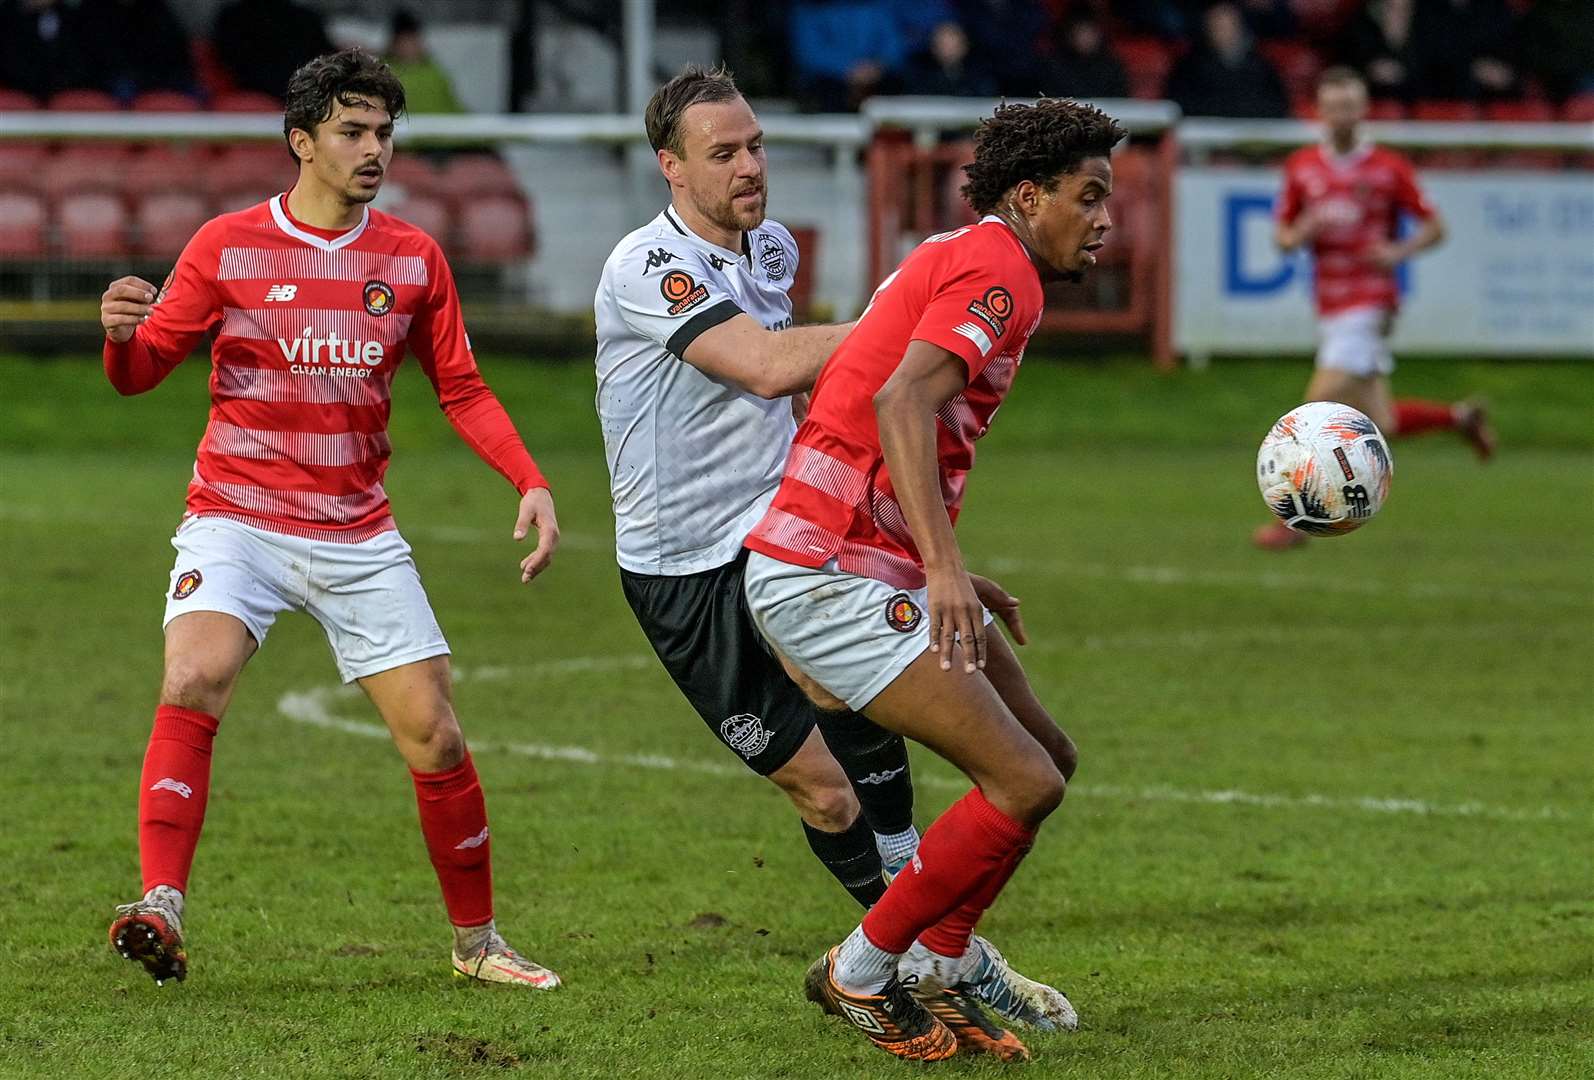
[
  {"x": 902, "y": 614},
  {"x": 746, "y": 734},
  {"x": 187, "y": 582}
]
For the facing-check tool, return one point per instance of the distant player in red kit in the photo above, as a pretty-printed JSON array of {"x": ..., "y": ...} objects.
[
  {"x": 310, "y": 300},
  {"x": 855, "y": 575},
  {"x": 1343, "y": 198}
]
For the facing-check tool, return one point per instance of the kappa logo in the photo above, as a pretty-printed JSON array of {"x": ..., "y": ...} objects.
[
  {"x": 281, "y": 293},
  {"x": 773, "y": 257},
  {"x": 994, "y": 308},
  {"x": 378, "y": 297},
  {"x": 716, "y": 262},
  {"x": 187, "y": 582},
  {"x": 682, "y": 291},
  {"x": 167, "y": 783},
  {"x": 658, "y": 257},
  {"x": 746, "y": 734},
  {"x": 472, "y": 841},
  {"x": 902, "y": 614},
  {"x": 861, "y": 1017}
]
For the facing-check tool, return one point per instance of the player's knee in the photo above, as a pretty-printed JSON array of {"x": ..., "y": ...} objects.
[
  {"x": 1066, "y": 756},
  {"x": 191, "y": 683},
  {"x": 828, "y": 804},
  {"x": 1040, "y": 791},
  {"x": 435, "y": 742}
]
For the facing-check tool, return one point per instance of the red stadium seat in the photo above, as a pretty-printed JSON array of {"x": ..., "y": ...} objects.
[
  {"x": 428, "y": 214},
  {"x": 494, "y": 229},
  {"x": 22, "y": 225},
  {"x": 22, "y": 164},
  {"x": 165, "y": 221},
  {"x": 1452, "y": 111},
  {"x": 243, "y": 198},
  {"x": 1520, "y": 111},
  {"x": 473, "y": 175},
  {"x": 1147, "y": 61},
  {"x": 166, "y": 101},
  {"x": 86, "y": 167},
  {"x": 84, "y": 101},
  {"x": 245, "y": 101},
  {"x": 250, "y": 167},
  {"x": 213, "y": 76},
  {"x": 1579, "y": 108},
  {"x": 17, "y": 101},
  {"x": 416, "y": 176},
  {"x": 1386, "y": 109},
  {"x": 1297, "y": 63},
  {"x": 163, "y": 168},
  {"x": 92, "y": 226}
]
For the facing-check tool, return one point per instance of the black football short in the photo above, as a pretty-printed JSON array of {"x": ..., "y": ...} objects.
[{"x": 701, "y": 629}]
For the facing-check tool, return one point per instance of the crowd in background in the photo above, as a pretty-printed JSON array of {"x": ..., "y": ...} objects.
[{"x": 1218, "y": 58}]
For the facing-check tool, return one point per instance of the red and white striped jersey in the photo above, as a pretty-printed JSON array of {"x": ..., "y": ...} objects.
[
  {"x": 1359, "y": 196},
  {"x": 975, "y": 293},
  {"x": 308, "y": 328}
]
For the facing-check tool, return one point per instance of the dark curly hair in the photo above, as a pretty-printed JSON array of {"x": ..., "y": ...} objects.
[
  {"x": 1036, "y": 142},
  {"x": 341, "y": 78}
]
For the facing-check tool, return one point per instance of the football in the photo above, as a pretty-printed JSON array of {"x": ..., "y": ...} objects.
[{"x": 1324, "y": 469}]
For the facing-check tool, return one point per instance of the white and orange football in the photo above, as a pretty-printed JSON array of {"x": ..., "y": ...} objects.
[{"x": 1324, "y": 469}]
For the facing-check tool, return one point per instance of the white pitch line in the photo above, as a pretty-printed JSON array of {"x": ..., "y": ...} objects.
[{"x": 313, "y": 708}]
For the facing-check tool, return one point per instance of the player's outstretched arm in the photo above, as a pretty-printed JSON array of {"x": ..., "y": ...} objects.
[
  {"x": 768, "y": 363},
  {"x": 928, "y": 377}
]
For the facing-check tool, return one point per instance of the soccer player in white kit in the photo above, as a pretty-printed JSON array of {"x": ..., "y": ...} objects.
[
  {"x": 311, "y": 300},
  {"x": 697, "y": 364}
]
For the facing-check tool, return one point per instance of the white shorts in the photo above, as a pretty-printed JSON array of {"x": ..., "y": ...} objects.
[
  {"x": 1353, "y": 342},
  {"x": 852, "y": 635},
  {"x": 366, "y": 596}
]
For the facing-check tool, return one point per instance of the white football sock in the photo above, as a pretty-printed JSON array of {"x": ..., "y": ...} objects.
[
  {"x": 897, "y": 848},
  {"x": 863, "y": 967}
]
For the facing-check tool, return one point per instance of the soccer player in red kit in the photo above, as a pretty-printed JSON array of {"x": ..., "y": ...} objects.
[
  {"x": 1343, "y": 198},
  {"x": 310, "y": 300},
  {"x": 855, "y": 575}
]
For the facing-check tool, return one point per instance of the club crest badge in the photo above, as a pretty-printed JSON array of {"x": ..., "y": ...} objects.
[
  {"x": 378, "y": 296},
  {"x": 187, "y": 583},
  {"x": 772, "y": 255},
  {"x": 902, "y": 614},
  {"x": 746, "y": 734}
]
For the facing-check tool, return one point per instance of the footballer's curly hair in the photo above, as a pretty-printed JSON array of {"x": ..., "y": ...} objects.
[
  {"x": 341, "y": 78},
  {"x": 1036, "y": 142}
]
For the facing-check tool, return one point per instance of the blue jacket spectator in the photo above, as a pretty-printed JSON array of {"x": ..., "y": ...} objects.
[{"x": 845, "y": 51}]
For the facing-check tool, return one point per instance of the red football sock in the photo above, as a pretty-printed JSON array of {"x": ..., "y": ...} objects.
[
  {"x": 1414, "y": 416},
  {"x": 173, "y": 789},
  {"x": 454, "y": 822},
  {"x": 950, "y": 936},
  {"x": 966, "y": 847}
]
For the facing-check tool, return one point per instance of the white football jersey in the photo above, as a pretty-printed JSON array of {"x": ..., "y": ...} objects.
[{"x": 693, "y": 462}]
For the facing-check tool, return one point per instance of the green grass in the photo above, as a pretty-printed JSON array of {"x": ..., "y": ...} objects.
[{"x": 1301, "y": 927}]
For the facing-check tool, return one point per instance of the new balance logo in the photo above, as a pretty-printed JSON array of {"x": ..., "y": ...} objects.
[
  {"x": 282, "y": 293},
  {"x": 168, "y": 784},
  {"x": 658, "y": 257},
  {"x": 472, "y": 841},
  {"x": 862, "y": 1017},
  {"x": 880, "y": 777}
]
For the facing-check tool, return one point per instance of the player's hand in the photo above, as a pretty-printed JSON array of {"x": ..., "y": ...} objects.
[
  {"x": 799, "y": 407},
  {"x": 536, "y": 512},
  {"x": 1385, "y": 256},
  {"x": 1002, "y": 604},
  {"x": 956, "y": 616},
  {"x": 126, "y": 303}
]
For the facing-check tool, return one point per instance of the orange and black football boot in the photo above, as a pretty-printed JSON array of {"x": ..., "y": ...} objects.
[
  {"x": 893, "y": 1019},
  {"x": 976, "y": 1033}
]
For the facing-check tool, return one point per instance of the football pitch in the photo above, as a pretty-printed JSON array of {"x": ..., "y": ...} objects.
[{"x": 1333, "y": 818}]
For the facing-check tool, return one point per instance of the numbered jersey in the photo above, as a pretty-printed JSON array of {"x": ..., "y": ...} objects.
[
  {"x": 1358, "y": 198},
  {"x": 693, "y": 461},
  {"x": 973, "y": 292}
]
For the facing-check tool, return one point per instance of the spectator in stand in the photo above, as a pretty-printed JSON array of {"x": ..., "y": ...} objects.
[
  {"x": 1557, "y": 47},
  {"x": 1085, "y": 66},
  {"x": 44, "y": 47},
  {"x": 1468, "y": 45},
  {"x": 1382, "y": 43},
  {"x": 946, "y": 69},
  {"x": 1224, "y": 75},
  {"x": 262, "y": 43},
  {"x": 845, "y": 51},
  {"x": 137, "y": 45},
  {"x": 1007, "y": 37},
  {"x": 426, "y": 85}
]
